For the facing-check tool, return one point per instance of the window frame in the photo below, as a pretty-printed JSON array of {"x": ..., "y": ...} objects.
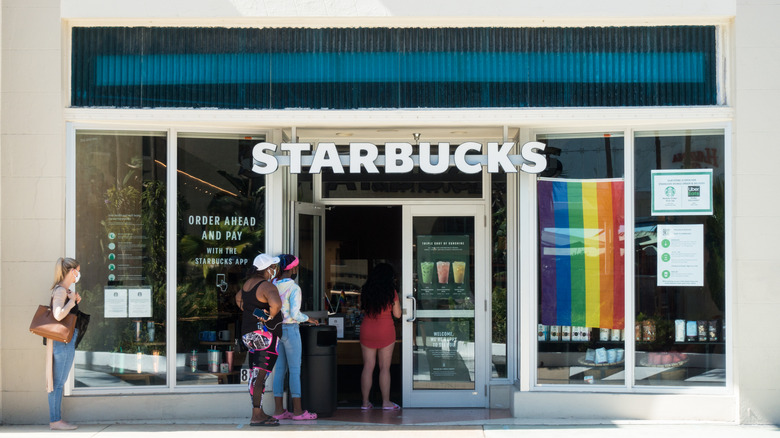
[
  {"x": 172, "y": 133},
  {"x": 528, "y": 189}
]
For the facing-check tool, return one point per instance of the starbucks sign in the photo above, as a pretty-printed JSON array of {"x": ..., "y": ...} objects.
[{"x": 399, "y": 158}]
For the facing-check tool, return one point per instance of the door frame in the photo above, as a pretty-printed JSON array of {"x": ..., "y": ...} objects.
[
  {"x": 318, "y": 268},
  {"x": 479, "y": 396}
]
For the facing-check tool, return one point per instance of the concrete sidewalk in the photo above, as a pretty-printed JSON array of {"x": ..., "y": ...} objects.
[{"x": 622, "y": 430}]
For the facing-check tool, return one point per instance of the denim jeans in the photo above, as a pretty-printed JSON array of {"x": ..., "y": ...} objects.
[
  {"x": 289, "y": 359},
  {"x": 63, "y": 360}
]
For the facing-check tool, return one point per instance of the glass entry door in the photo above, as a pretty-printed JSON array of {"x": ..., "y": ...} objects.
[
  {"x": 444, "y": 296},
  {"x": 309, "y": 246}
]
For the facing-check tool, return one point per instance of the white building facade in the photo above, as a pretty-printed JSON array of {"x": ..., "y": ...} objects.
[{"x": 163, "y": 145}]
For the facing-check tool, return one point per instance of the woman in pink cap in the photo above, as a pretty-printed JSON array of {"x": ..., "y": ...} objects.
[{"x": 290, "y": 349}]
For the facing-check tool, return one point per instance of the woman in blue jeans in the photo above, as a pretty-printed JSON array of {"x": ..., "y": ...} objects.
[
  {"x": 64, "y": 301},
  {"x": 289, "y": 347}
]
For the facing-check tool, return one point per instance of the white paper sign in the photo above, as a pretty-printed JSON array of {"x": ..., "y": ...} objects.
[
  {"x": 681, "y": 192},
  {"x": 680, "y": 255},
  {"x": 337, "y": 321},
  {"x": 114, "y": 303},
  {"x": 139, "y": 302}
]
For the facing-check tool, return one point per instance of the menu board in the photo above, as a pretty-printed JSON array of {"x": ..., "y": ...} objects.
[{"x": 443, "y": 267}]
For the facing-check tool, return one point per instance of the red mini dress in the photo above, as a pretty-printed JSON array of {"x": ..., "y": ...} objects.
[{"x": 378, "y": 331}]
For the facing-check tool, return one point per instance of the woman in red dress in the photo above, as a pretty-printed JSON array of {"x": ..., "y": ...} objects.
[{"x": 379, "y": 303}]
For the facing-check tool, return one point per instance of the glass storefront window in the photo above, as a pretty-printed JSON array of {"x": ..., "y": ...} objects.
[
  {"x": 221, "y": 228},
  {"x": 120, "y": 243},
  {"x": 680, "y": 314},
  {"x": 305, "y": 187},
  {"x": 581, "y": 327}
]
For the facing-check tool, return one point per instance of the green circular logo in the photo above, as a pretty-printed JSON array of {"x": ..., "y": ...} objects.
[
  {"x": 111, "y": 236},
  {"x": 111, "y": 267},
  {"x": 669, "y": 191},
  {"x": 666, "y": 274},
  {"x": 666, "y": 257},
  {"x": 111, "y": 256},
  {"x": 665, "y": 243}
]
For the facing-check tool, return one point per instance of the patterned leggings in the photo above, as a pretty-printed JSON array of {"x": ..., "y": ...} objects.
[{"x": 263, "y": 362}]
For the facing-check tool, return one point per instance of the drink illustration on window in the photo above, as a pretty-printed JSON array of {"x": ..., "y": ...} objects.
[{"x": 443, "y": 267}]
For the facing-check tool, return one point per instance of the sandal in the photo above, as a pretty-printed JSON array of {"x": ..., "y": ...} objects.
[
  {"x": 268, "y": 422},
  {"x": 306, "y": 415},
  {"x": 286, "y": 415},
  {"x": 395, "y": 407},
  {"x": 369, "y": 406}
]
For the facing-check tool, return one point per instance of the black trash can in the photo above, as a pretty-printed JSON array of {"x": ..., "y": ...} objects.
[{"x": 318, "y": 369}]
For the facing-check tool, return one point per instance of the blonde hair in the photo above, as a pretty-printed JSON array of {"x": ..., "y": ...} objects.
[{"x": 62, "y": 267}]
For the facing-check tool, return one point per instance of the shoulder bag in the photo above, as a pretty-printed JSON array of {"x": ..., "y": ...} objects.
[{"x": 45, "y": 324}]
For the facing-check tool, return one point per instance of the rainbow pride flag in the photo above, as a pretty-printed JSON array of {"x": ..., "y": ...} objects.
[{"x": 581, "y": 224}]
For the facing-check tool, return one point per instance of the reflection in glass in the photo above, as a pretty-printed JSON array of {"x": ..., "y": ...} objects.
[
  {"x": 680, "y": 330},
  {"x": 415, "y": 184},
  {"x": 499, "y": 282},
  {"x": 443, "y": 333},
  {"x": 581, "y": 330},
  {"x": 120, "y": 243},
  {"x": 309, "y": 250},
  {"x": 221, "y": 229}
]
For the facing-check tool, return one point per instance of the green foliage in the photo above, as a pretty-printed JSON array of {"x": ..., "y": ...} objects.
[
  {"x": 499, "y": 293},
  {"x": 499, "y": 315}
]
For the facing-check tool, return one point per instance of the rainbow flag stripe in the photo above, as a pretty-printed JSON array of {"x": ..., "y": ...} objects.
[{"x": 581, "y": 224}]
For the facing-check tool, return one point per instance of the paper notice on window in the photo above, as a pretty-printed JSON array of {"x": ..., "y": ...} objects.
[
  {"x": 681, "y": 192},
  {"x": 680, "y": 255},
  {"x": 338, "y": 322},
  {"x": 114, "y": 303},
  {"x": 139, "y": 302}
]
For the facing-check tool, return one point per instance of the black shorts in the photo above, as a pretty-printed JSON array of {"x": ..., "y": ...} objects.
[{"x": 265, "y": 359}]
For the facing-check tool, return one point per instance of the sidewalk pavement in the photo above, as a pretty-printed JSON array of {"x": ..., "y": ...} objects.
[{"x": 615, "y": 430}]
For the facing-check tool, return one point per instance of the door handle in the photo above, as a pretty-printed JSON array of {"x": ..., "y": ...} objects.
[{"x": 414, "y": 308}]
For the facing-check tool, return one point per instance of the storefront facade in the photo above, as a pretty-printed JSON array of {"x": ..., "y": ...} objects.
[{"x": 516, "y": 156}]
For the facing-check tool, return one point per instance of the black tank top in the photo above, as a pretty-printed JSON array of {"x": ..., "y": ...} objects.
[{"x": 249, "y": 322}]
